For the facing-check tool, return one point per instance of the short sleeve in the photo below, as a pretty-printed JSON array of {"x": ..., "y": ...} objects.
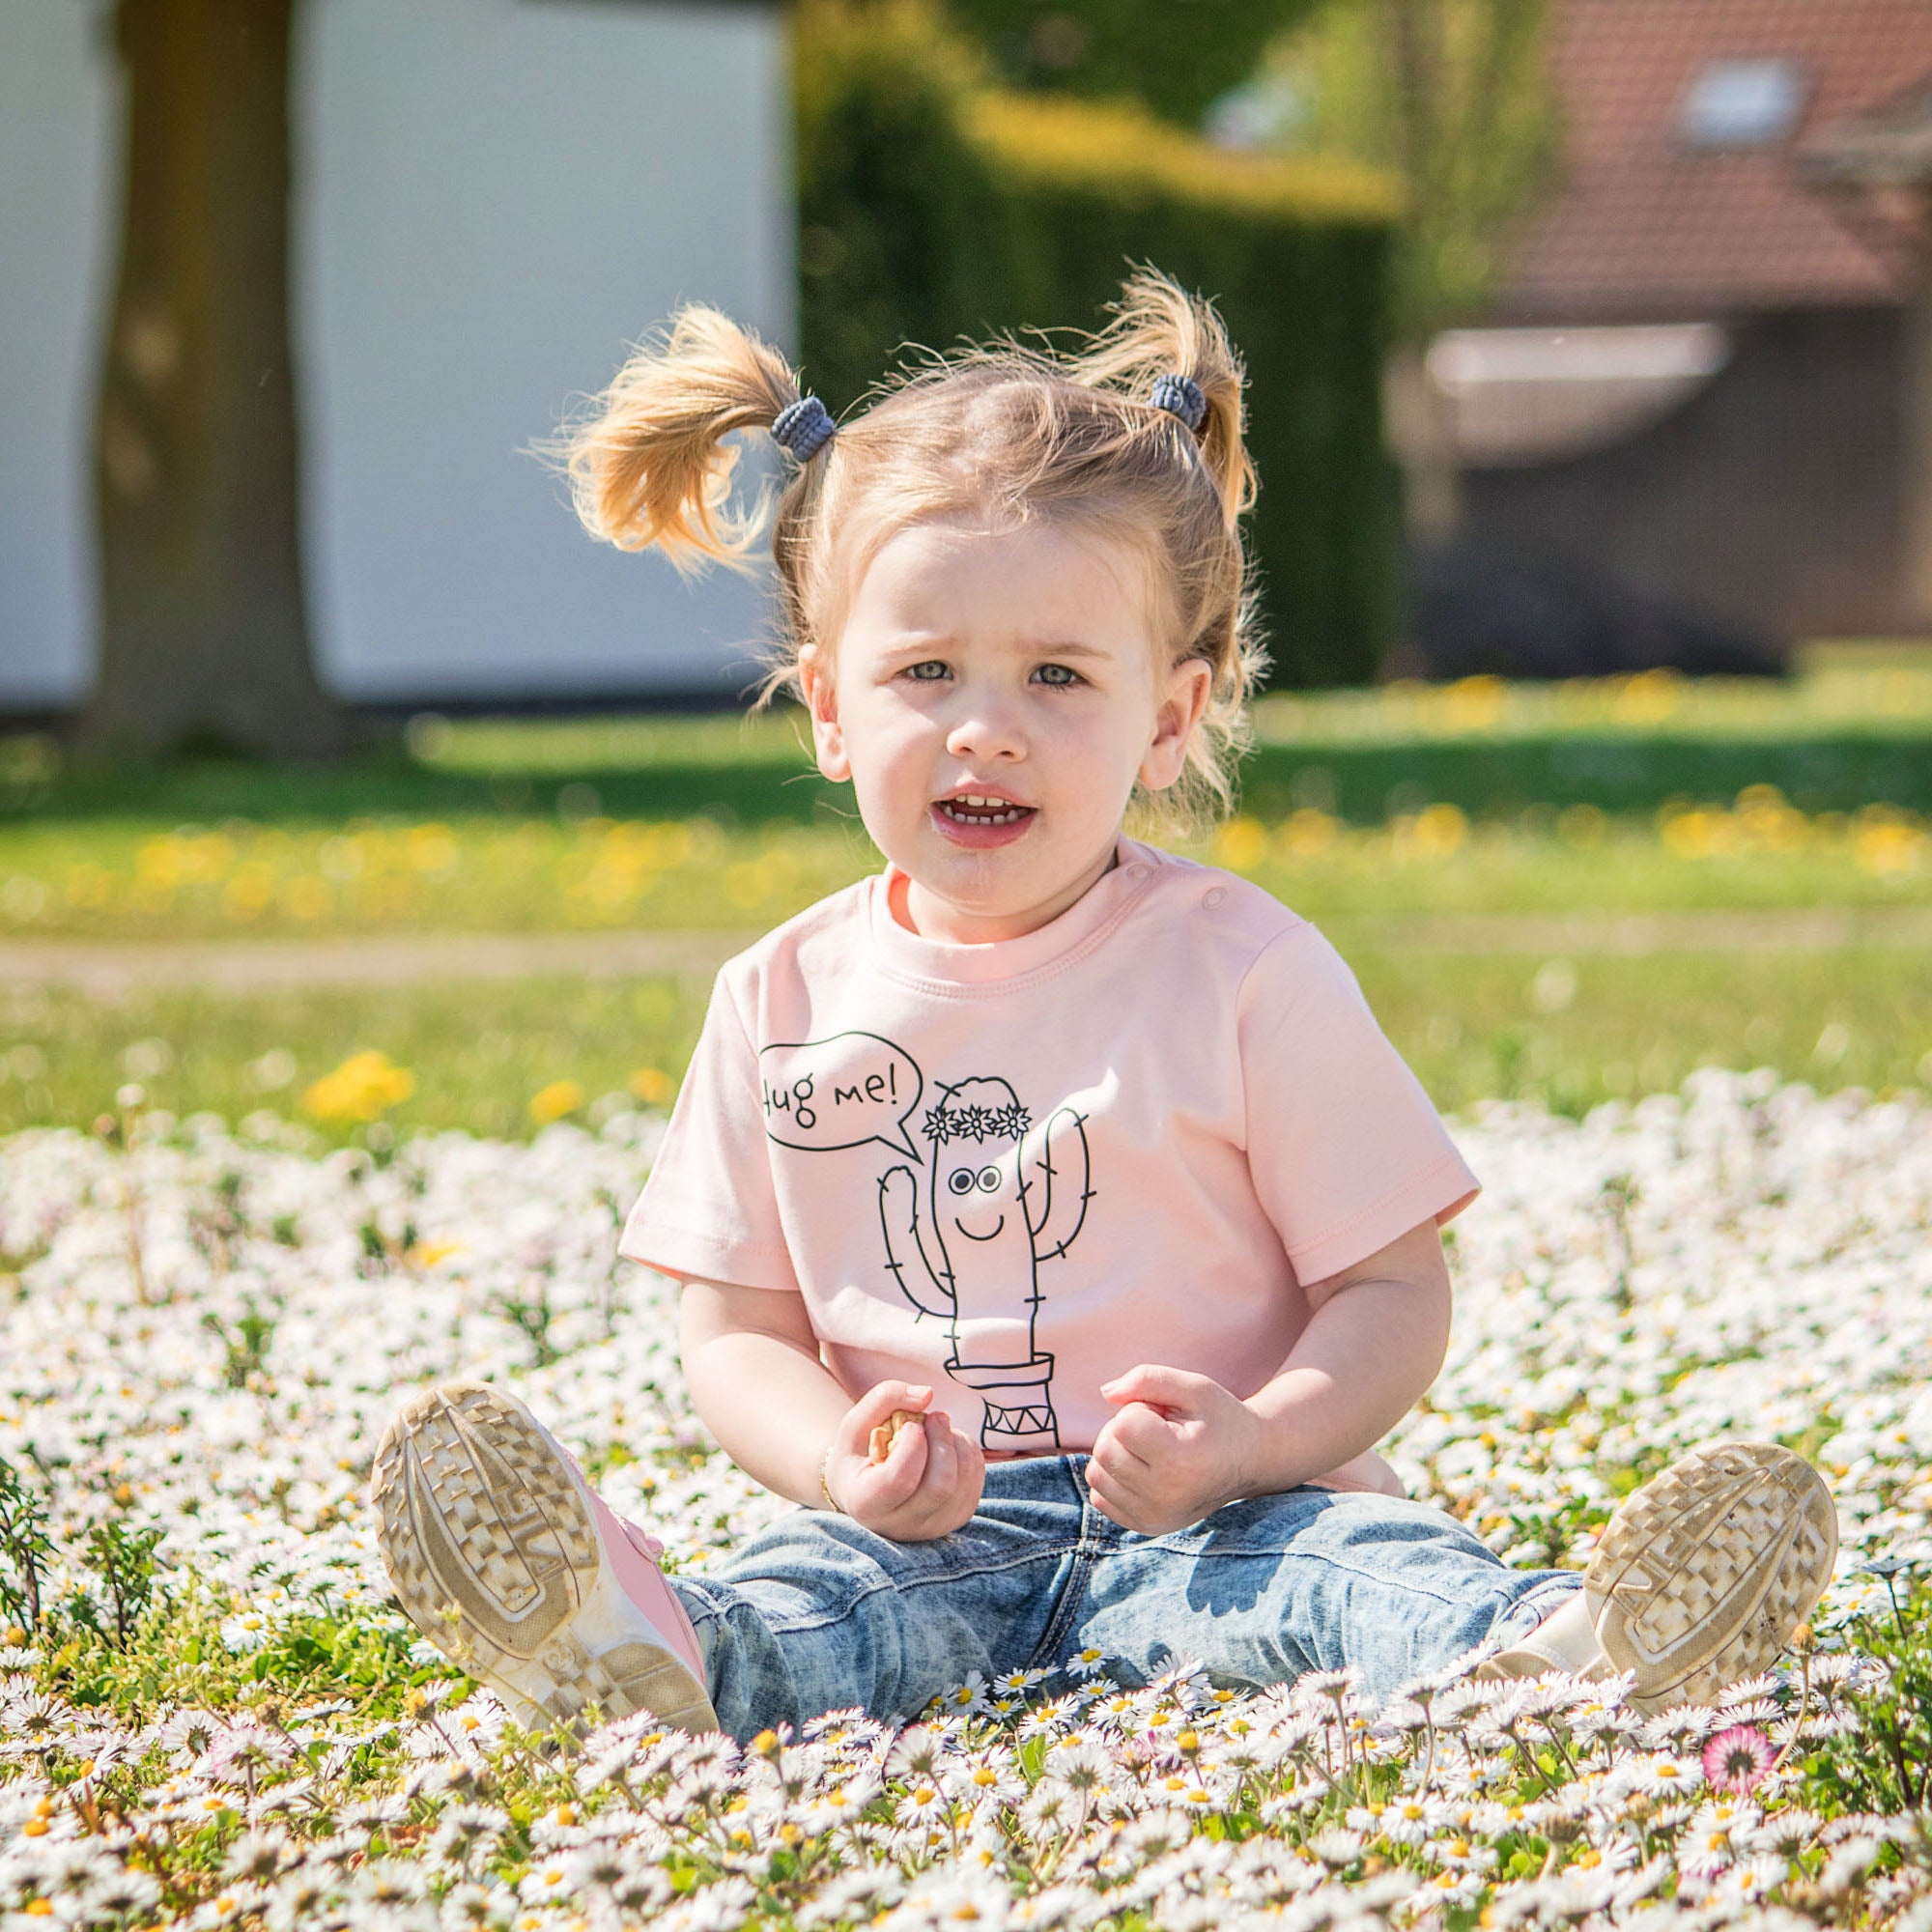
[
  {"x": 708, "y": 1208},
  {"x": 1345, "y": 1148}
]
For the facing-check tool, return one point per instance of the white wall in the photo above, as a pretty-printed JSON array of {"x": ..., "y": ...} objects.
[
  {"x": 493, "y": 197},
  {"x": 501, "y": 194},
  {"x": 58, "y": 112}
]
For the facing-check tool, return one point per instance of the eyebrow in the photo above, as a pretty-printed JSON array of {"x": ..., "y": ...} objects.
[{"x": 1027, "y": 646}]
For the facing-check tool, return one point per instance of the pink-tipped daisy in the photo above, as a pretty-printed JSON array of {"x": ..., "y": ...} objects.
[{"x": 1737, "y": 1759}]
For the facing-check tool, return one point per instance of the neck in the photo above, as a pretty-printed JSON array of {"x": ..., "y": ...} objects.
[{"x": 933, "y": 917}]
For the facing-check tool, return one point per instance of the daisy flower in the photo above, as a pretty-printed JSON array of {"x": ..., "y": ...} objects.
[
  {"x": 1049, "y": 1717},
  {"x": 1738, "y": 1759},
  {"x": 1080, "y": 1766},
  {"x": 918, "y": 1752},
  {"x": 246, "y": 1631},
  {"x": 245, "y": 1753},
  {"x": 924, "y": 1804},
  {"x": 1663, "y": 1777},
  {"x": 1786, "y": 1833},
  {"x": 988, "y": 1777},
  {"x": 968, "y": 1698}
]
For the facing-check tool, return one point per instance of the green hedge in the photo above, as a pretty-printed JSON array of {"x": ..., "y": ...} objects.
[
  {"x": 1176, "y": 55},
  {"x": 932, "y": 207}
]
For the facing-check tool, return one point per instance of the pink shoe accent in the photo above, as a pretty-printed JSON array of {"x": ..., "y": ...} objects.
[
  {"x": 642, "y": 1538},
  {"x": 633, "y": 1554}
]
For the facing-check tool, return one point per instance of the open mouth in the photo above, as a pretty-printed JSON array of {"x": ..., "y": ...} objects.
[{"x": 977, "y": 809}]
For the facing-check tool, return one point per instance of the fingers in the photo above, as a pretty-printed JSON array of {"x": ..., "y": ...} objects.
[
  {"x": 932, "y": 1477},
  {"x": 904, "y": 1472},
  {"x": 948, "y": 1491},
  {"x": 1112, "y": 1503},
  {"x": 942, "y": 1458},
  {"x": 1144, "y": 1437},
  {"x": 972, "y": 1458},
  {"x": 1133, "y": 1438},
  {"x": 874, "y": 1405},
  {"x": 1154, "y": 1384}
]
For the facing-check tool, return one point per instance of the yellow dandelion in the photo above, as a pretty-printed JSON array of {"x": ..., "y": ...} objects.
[
  {"x": 553, "y": 1102},
  {"x": 363, "y": 1088},
  {"x": 1240, "y": 844}
]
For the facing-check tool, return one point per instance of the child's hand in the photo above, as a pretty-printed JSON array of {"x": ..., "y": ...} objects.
[
  {"x": 928, "y": 1483},
  {"x": 1178, "y": 1447}
]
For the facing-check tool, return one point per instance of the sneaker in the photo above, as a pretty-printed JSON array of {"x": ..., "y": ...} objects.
[
  {"x": 1698, "y": 1579},
  {"x": 504, "y": 1557}
]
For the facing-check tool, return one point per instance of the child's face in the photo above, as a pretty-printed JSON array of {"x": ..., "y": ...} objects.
[{"x": 1019, "y": 664}]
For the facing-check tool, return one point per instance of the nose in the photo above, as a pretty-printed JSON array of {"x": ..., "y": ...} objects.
[{"x": 985, "y": 726}]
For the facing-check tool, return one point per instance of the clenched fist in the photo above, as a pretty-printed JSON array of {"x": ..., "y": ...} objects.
[
  {"x": 926, "y": 1482},
  {"x": 1177, "y": 1447}
]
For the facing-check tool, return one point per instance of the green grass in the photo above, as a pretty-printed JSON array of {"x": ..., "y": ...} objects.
[
  {"x": 1572, "y": 1033},
  {"x": 111, "y": 881},
  {"x": 717, "y": 823},
  {"x": 1846, "y": 732},
  {"x": 1473, "y": 797}
]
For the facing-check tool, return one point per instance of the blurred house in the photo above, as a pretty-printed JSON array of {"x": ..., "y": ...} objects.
[
  {"x": 493, "y": 199},
  {"x": 1704, "y": 392}
]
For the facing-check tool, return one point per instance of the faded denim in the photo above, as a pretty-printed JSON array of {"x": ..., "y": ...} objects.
[{"x": 818, "y": 1613}]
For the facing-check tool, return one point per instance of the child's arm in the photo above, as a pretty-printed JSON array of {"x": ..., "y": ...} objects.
[
  {"x": 1372, "y": 1346},
  {"x": 752, "y": 1362},
  {"x": 1180, "y": 1445}
]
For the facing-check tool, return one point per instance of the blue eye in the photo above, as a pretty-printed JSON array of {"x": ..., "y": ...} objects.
[
  {"x": 1071, "y": 677},
  {"x": 914, "y": 671}
]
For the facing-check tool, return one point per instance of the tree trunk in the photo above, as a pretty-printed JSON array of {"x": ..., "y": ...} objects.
[
  {"x": 204, "y": 637},
  {"x": 1421, "y": 428}
]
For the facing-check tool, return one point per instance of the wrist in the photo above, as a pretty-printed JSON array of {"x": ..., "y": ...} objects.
[{"x": 1278, "y": 1440}]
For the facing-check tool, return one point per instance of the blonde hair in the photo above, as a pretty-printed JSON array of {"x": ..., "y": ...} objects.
[{"x": 1004, "y": 432}]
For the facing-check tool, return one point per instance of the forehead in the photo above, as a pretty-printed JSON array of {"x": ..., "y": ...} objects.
[{"x": 1032, "y": 580}]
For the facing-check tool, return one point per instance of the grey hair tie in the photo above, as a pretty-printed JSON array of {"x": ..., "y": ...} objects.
[
  {"x": 803, "y": 427},
  {"x": 1181, "y": 396}
]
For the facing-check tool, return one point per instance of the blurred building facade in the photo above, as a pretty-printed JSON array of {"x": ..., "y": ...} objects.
[
  {"x": 1707, "y": 379},
  {"x": 493, "y": 199}
]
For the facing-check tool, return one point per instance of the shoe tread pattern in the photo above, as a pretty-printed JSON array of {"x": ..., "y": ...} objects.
[
  {"x": 1709, "y": 1568},
  {"x": 491, "y": 1552}
]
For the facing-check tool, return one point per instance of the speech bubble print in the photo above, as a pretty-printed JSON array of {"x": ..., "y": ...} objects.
[{"x": 840, "y": 1092}]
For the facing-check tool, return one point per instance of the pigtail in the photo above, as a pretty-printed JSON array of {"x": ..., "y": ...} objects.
[
  {"x": 649, "y": 465},
  {"x": 1161, "y": 330},
  {"x": 1161, "y": 333}
]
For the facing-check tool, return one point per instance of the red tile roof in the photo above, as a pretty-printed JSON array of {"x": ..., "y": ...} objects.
[{"x": 1638, "y": 222}]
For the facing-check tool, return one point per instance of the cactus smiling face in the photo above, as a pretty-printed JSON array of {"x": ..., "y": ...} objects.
[
  {"x": 975, "y": 1209},
  {"x": 1002, "y": 1196}
]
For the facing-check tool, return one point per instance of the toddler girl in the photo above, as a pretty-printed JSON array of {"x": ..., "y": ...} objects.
[{"x": 1054, "y": 1221}]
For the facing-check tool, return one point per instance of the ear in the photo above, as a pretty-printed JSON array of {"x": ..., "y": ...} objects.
[
  {"x": 1188, "y": 685},
  {"x": 821, "y": 697}
]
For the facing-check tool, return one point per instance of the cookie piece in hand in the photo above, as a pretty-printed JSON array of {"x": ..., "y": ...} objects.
[{"x": 887, "y": 1432}]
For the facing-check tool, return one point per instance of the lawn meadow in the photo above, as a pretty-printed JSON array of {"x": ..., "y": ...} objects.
[
  {"x": 1658, "y": 950},
  {"x": 1489, "y": 857}
]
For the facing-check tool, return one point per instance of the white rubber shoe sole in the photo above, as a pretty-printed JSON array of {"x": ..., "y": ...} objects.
[
  {"x": 487, "y": 1534},
  {"x": 1702, "y": 1576},
  {"x": 1698, "y": 1579}
]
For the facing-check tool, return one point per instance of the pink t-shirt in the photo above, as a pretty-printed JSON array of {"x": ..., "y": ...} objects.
[{"x": 1015, "y": 1169}]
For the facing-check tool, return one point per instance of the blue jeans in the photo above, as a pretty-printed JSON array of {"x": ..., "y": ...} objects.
[{"x": 818, "y": 1613}]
